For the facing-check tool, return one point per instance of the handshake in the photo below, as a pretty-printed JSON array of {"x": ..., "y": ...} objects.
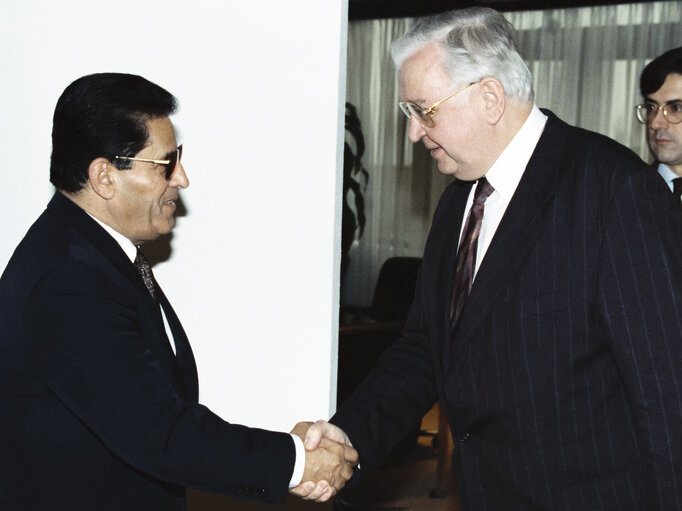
[{"x": 329, "y": 460}]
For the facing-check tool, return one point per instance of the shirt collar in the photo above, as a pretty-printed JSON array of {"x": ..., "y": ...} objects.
[
  {"x": 506, "y": 172},
  {"x": 666, "y": 174},
  {"x": 126, "y": 245}
]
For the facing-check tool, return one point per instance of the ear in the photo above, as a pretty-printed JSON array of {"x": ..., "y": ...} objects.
[
  {"x": 100, "y": 177},
  {"x": 494, "y": 99}
]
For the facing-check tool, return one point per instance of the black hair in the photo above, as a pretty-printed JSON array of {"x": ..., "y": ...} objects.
[
  {"x": 657, "y": 70},
  {"x": 102, "y": 115}
]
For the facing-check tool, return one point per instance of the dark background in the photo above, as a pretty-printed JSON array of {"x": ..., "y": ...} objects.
[{"x": 373, "y": 9}]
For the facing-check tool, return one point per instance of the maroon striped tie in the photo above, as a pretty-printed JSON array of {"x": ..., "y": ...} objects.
[{"x": 466, "y": 255}]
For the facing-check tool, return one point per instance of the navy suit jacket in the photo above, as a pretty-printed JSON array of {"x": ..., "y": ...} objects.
[
  {"x": 563, "y": 382},
  {"x": 95, "y": 410}
]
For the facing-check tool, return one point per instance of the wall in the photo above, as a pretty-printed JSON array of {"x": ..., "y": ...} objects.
[{"x": 252, "y": 266}]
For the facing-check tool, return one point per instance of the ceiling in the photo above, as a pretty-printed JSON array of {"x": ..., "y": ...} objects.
[{"x": 373, "y": 9}]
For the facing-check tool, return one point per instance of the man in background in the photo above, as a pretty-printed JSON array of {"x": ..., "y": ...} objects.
[
  {"x": 661, "y": 86},
  {"x": 98, "y": 384},
  {"x": 547, "y": 317}
]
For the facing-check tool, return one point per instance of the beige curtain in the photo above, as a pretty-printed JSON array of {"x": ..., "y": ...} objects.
[{"x": 586, "y": 64}]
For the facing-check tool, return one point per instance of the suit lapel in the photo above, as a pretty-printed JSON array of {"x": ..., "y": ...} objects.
[
  {"x": 182, "y": 363},
  {"x": 445, "y": 237},
  {"x": 517, "y": 233},
  {"x": 80, "y": 221},
  {"x": 73, "y": 216}
]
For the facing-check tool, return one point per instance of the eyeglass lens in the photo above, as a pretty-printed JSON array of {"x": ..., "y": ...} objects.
[
  {"x": 172, "y": 163},
  {"x": 412, "y": 110},
  {"x": 648, "y": 111}
]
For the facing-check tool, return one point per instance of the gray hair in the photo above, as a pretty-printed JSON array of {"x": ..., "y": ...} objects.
[{"x": 477, "y": 42}]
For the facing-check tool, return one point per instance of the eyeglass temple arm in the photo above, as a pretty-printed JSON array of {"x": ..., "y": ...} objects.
[
  {"x": 433, "y": 107},
  {"x": 130, "y": 158}
]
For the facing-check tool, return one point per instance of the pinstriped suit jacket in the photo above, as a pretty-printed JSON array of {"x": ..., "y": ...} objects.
[{"x": 563, "y": 384}]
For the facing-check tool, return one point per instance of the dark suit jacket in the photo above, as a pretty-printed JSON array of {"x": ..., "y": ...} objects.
[
  {"x": 95, "y": 410},
  {"x": 563, "y": 384}
]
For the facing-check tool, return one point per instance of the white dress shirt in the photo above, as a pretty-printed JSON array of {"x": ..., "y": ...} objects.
[
  {"x": 131, "y": 251},
  {"x": 504, "y": 177}
]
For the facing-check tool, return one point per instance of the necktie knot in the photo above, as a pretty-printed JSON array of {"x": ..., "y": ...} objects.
[
  {"x": 483, "y": 191},
  {"x": 145, "y": 271}
]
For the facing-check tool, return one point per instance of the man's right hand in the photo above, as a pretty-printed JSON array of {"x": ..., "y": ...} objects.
[{"x": 329, "y": 461}]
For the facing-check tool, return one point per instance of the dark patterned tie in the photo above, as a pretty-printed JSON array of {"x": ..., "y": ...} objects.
[
  {"x": 677, "y": 190},
  {"x": 145, "y": 271},
  {"x": 466, "y": 255}
]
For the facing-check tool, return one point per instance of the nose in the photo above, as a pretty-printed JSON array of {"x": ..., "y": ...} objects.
[
  {"x": 179, "y": 177},
  {"x": 658, "y": 121},
  {"x": 416, "y": 131}
]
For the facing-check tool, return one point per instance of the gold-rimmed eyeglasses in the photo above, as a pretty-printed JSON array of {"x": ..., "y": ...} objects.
[
  {"x": 424, "y": 116},
  {"x": 672, "y": 112},
  {"x": 170, "y": 163}
]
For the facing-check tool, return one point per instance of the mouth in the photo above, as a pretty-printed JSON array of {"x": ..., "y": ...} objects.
[
  {"x": 660, "y": 138},
  {"x": 170, "y": 202}
]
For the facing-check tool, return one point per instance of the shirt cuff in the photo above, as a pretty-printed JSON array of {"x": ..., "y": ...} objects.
[{"x": 299, "y": 466}]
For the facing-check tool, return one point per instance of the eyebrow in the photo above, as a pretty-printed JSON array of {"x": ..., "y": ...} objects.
[{"x": 669, "y": 102}]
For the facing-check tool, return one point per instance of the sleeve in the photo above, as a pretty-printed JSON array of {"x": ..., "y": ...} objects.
[
  {"x": 640, "y": 310},
  {"x": 391, "y": 400},
  {"x": 402, "y": 386},
  {"x": 93, "y": 343}
]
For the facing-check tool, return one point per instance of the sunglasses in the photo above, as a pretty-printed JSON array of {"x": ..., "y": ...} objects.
[{"x": 169, "y": 164}]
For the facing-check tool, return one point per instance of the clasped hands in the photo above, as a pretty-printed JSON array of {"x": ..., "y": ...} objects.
[{"x": 329, "y": 460}]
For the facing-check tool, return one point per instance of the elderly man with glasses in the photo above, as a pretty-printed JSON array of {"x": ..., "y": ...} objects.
[
  {"x": 547, "y": 317},
  {"x": 661, "y": 86},
  {"x": 98, "y": 385}
]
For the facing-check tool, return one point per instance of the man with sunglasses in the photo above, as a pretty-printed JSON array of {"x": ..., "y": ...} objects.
[
  {"x": 547, "y": 317},
  {"x": 661, "y": 112},
  {"x": 98, "y": 385}
]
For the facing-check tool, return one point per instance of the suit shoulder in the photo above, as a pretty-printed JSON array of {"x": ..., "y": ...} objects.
[
  {"x": 590, "y": 150},
  {"x": 614, "y": 166},
  {"x": 601, "y": 146},
  {"x": 50, "y": 258},
  {"x": 43, "y": 248}
]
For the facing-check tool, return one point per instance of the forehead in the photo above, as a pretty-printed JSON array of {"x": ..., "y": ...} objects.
[
  {"x": 671, "y": 90},
  {"x": 423, "y": 76},
  {"x": 161, "y": 134}
]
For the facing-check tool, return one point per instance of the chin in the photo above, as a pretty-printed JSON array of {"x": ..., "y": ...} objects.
[
  {"x": 163, "y": 230},
  {"x": 446, "y": 165},
  {"x": 168, "y": 224},
  {"x": 448, "y": 169}
]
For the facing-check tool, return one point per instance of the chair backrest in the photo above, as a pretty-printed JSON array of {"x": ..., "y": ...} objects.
[{"x": 395, "y": 287}]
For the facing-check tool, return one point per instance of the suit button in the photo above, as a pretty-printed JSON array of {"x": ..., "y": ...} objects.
[{"x": 464, "y": 437}]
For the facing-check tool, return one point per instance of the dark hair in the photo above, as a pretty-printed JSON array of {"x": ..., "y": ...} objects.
[
  {"x": 102, "y": 115},
  {"x": 657, "y": 70}
]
